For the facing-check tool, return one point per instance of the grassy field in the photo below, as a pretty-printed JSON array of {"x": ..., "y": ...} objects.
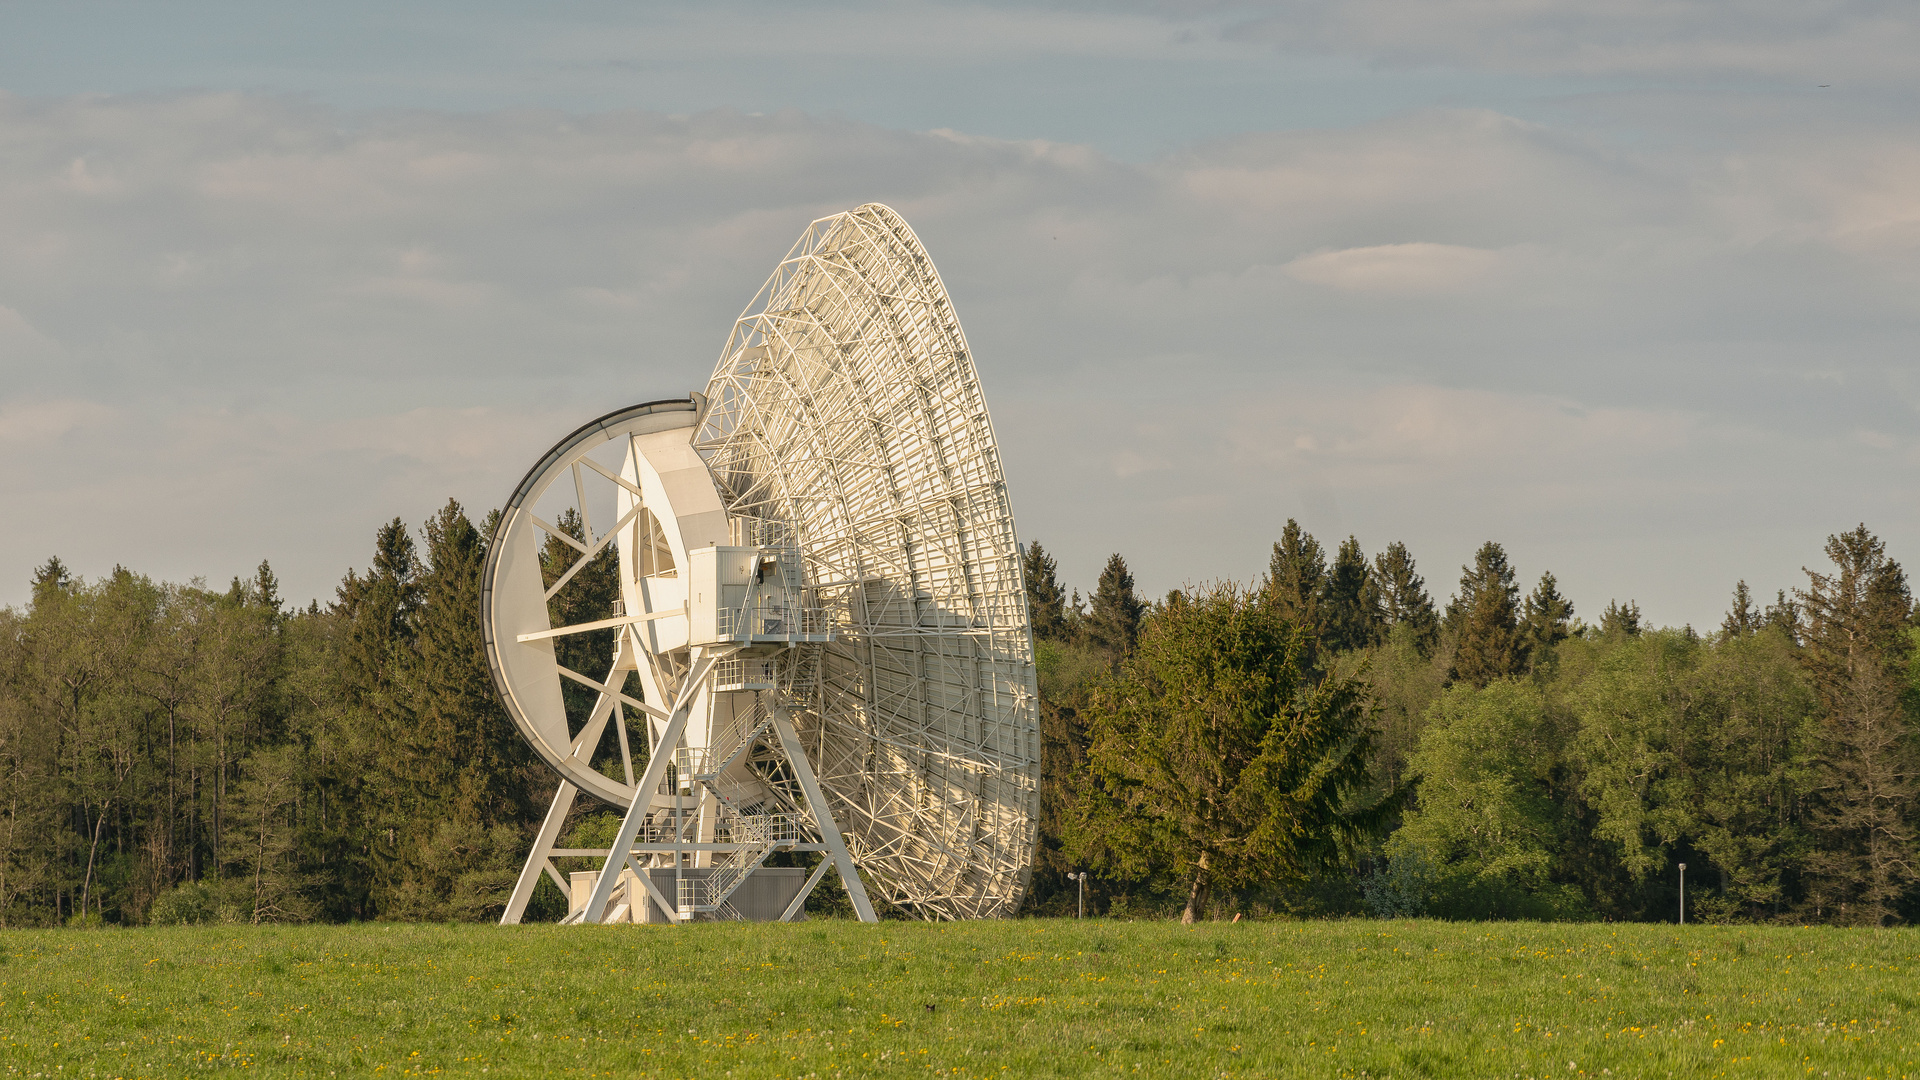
[{"x": 1014, "y": 999}]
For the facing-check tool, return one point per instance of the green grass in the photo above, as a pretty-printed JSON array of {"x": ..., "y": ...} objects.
[{"x": 1015, "y": 999}]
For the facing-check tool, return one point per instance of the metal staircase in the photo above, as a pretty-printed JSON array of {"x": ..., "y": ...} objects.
[
  {"x": 763, "y": 833},
  {"x": 756, "y": 834}
]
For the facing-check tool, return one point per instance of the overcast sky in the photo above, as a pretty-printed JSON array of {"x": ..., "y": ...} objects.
[{"x": 1635, "y": 294}]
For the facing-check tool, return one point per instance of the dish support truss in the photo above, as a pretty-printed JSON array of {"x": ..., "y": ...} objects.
[
  {"x": 716, "y": 623},
  {"x": 847, "y": 408}
]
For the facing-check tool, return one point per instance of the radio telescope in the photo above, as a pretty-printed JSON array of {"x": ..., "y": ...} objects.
[{"x": 784, "y": 614}]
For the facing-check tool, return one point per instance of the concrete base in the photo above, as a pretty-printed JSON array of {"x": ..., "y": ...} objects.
[{"x": 763, "y": 897}]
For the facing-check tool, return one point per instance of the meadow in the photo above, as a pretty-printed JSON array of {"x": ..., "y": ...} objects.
[{"x": 1013, "y": 999}]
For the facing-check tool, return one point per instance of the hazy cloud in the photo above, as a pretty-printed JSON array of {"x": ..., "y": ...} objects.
[
  {"x": 239, "y": 326},
  {"x": 1824, "y": 41}
]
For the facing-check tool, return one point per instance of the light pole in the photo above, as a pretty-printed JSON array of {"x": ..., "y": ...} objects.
[
  {"x": 1081, "y": 877},
  {"x": 1683, "y": 894}
]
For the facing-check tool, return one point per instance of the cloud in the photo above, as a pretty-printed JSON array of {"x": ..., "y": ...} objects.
[
  {"x": 1412, "y": 268},
  {"x": 47, "y": 422},
  {"x": 259, "y": 327},
  {"x": 1851, "y": 40}
]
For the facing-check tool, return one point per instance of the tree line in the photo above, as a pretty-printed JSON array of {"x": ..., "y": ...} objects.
[
  {"x": 1329, "y": 740},
  {"x": 1324, "y": 740},
  {"x": 192, "y": 753}
]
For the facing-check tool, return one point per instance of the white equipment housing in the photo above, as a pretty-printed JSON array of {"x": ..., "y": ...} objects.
[{"x": 812, "y": 615}]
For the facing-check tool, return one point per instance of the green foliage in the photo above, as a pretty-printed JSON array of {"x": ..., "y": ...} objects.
[
  {"x": 189, "y": 903},
  {"x": 1403, "y": 681},
  {"x": 1354, "y": 618},
  {"x": 1742, "y": 619},
  {"x": 1751, "y": 738},
  {"x": 1549, "y": 619},
  {"x": 1046, "y": 600},
  {"x": 1403, "y": 597},
  {"x": 1867, "y": 780},
  {"x": 1212, "y": 757},
  {"x": 1486, "y": 820},
  {"x": 1067, "y": 671},
  {"x": 1297, "y": 579},
  {"x": 1113, "y": 623},
  {"x": 174, "y": 753},
  {"x": 1399, "y": 888},
  {"x": 169, "y": 750},
  {"x": 1485, "y": 619},
  {"x": 1620, "y": 620}
]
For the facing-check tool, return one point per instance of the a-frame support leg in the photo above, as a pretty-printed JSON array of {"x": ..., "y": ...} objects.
[
  {"x": 800, "y": 898},
  {"x": 539, "y": 860},
  {"x": 823, "y": 816},
  {"x": 643, "y": 796}
]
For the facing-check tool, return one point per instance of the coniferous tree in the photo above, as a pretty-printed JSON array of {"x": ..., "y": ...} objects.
[
  {"x": 460, "y": 724},
  {"x": 1297, "y": 579},
  {"x": 1403, "y": 595},
  {"x": 380, "y": 608},
  {"x": 161, "y": 742},
  {"x": 1856, "y": 652},
  {"x": 1113, "y": 624},
  {"x": 1783, "y": 615},
  {"x": 1549, "y": 618},
  {"x": 51, "y": 576},
  {"x": 1742, "y": 619},
  {"x": 1620, "y": 620},
  {"x": 1485, "y": 615},
  {"x": 378, "y": 661},
  {"x": 588, "y": 597},
  {"x": 1354, "y": 619},
  {"x": 1046, "y": 600},
  {"x": 266, "y": 590},
  {"x": 1076, "y": 616}
]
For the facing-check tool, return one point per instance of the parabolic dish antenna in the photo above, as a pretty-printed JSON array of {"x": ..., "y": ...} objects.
[{"x": 783, "y": 615}]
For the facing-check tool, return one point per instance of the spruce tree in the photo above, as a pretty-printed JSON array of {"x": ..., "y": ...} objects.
[
  {"x": 1351, "y": 603},
  {"x": 1297, "y": 577},
  {"x": 1403, "y": 595},
  {"x": 1076, "y": 617},
  {"x": 377, "y": 659},
  {"x": 588, "y": 597},
  {"x": 380, "y": 609},
  {"x": 1620, "y": 620},
  {"x": 1742, "y": 619},
  {"x": 1549, "y": 618},
  {"x": 1857, "y": 651},
  {"x": 1486, "y": 614},
  {"x": 266, "y": 589},
  {"x": 1046, "y": 600},
  {"x": 51, "y": 577},
  {"x": 1114, "y": 623},
  {"x": 462, "y": 734},
  {"x": 1783, "y": 615}
]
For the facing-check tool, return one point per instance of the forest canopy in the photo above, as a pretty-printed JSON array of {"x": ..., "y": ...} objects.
[{"x": 1327, "y": 739}]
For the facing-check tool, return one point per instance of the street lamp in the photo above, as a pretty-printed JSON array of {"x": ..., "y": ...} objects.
[
  {"x": 1081, "y": 877},
  {"x": 1683, "y": 894}
]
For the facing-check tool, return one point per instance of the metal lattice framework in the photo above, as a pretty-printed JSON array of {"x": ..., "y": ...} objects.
[
  {"x": 846, "y": 404},
  {"x": 803, "y": 590}
]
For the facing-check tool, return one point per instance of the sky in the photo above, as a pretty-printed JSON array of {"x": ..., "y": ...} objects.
[{"x": 1633, "y": 289}]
